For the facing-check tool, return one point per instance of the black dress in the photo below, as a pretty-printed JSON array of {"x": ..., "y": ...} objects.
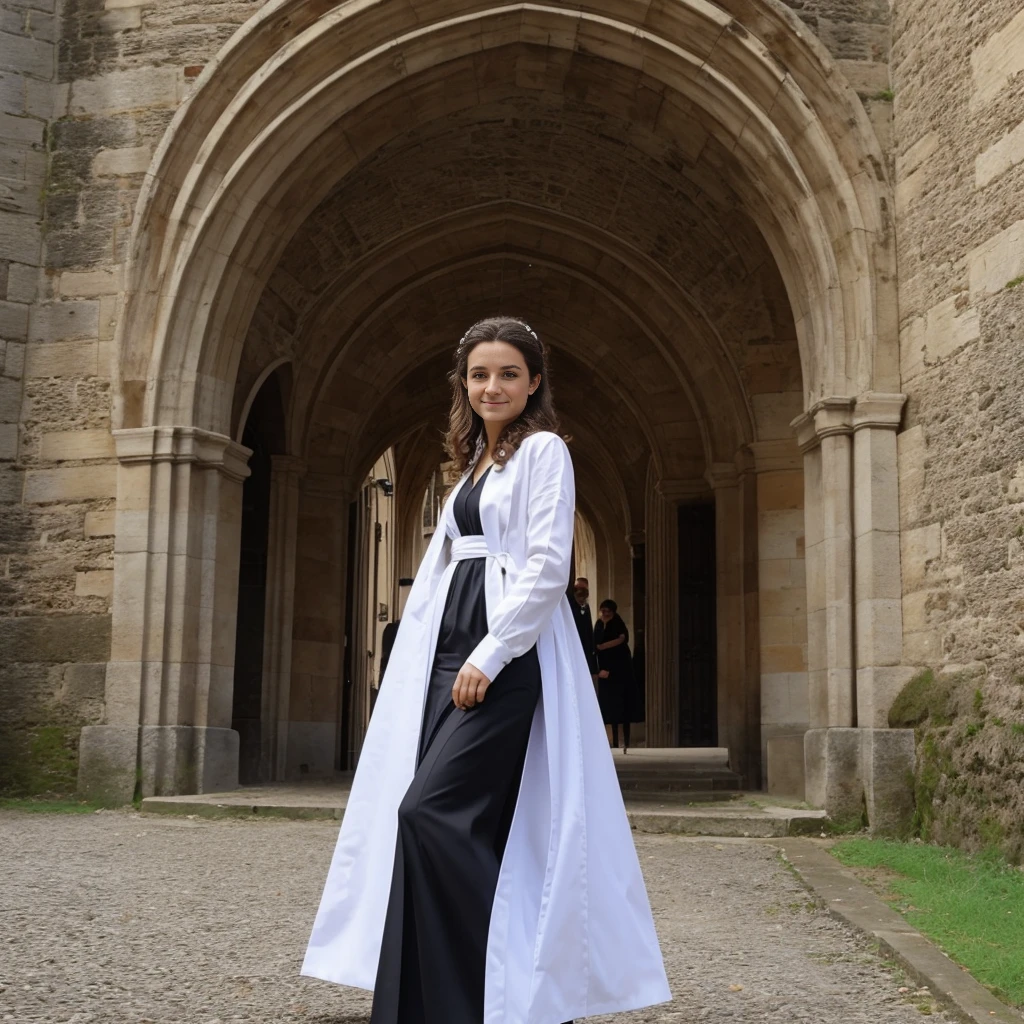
[
  {"x": 454, "y": 820},
  {"x": 615, "y": 692}
]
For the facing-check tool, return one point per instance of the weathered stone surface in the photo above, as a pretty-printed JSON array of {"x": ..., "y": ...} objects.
[
  {"x": 616, "y": 204},
  {"x": 959, "y": 254},
  {"x": 83, "y": 682},
  {"x": 888, "y": 763},
  {"x": 42, "y": 639},
  {"x": 107, "y": 758},
  {"x": 834, "y": 773},
  {"x": 786, "y": 766}
]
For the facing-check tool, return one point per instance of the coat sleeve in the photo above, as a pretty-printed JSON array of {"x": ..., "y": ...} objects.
[{"x": 529, "y": 603}]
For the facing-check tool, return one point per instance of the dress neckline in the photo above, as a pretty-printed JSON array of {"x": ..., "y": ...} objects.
[{"x": 476, "y": 483}]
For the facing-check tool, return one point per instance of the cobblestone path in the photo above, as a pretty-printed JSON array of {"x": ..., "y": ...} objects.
[{"x": 119, "y": 917}]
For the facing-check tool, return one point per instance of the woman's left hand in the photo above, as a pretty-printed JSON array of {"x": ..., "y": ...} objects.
[{"x": 470, "y": 687}]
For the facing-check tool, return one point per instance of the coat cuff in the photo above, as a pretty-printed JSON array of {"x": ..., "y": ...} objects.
[{"x": 490, "y": 656}]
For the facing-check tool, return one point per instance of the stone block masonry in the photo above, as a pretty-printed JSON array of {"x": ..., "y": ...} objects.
[
  {"x": 86, "y": 92},
  {"x": 958, "y": 75}
]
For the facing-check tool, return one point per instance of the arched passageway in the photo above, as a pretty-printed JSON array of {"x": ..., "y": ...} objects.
[{"x": 687, "y": 202}]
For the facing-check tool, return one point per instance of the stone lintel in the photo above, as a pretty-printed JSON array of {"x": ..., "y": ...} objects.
[{"x": 206, "y": 449}]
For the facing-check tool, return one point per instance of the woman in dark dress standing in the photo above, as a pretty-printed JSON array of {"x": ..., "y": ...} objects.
[{"x": 615, "y": 672}]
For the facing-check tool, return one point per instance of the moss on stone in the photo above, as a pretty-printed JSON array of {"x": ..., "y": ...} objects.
[
  {"x": 923, "y": 698},
  {"x": 969, "y": 776},
  {"x": 41, "y": 760}
]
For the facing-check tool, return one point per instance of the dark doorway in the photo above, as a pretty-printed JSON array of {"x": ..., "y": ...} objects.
[
  {"x": 252, "y": 599},
  {"x": 263, "y": 433},
  {"x": 698, "y": 684}
]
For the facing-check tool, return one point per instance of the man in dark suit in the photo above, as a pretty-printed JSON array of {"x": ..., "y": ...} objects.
[{"x": 584, "y": 620}]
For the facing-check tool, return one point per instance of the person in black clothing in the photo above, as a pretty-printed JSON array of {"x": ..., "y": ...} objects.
[
  {"x": 584, "y": 621},
  {"x": 387, "y": 638},
  {"x": 615, "y": 675}
]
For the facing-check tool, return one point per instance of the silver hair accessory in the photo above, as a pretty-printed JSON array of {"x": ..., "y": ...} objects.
[{"x": 530, "y": 329}]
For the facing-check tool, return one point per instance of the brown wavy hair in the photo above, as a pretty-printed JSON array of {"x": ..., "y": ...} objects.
[{"x": 465, "y": 427}]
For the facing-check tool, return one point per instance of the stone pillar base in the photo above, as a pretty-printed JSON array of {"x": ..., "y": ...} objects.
[
  {"x": 107, "y": 757},
  {"x": 856, "y": 772},
  {"x": 156, "y": 760},
  {"x": 786, "y": 766},
  {"x": 889, "y": 757}
]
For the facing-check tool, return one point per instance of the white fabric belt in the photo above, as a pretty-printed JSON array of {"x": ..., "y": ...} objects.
[{"x": 475, "y": 547}]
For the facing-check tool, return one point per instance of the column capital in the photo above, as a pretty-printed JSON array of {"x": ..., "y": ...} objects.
[
  {"x": 826, "y": 418},
  {"x": 841, "y": 415},
  {"x": 879, "y": 410},
  {"x": 204, "y": 448}
]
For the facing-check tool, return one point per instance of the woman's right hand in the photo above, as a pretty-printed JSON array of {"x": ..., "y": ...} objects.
[{"x": 603, "y": 674}]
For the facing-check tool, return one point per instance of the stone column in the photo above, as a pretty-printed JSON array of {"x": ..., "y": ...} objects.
[
  {"x": 662, "y": 637},
  {"x": 886, "y": 754},
  {"x": 171, "y": 671},
  {"x": 285, "y": 473},
  {"x": 876, "y": 530},
  {"x": 316, "y": 723},
  {"x": 782, "y": 613},
  {"x": 825, "y": 438},
  {"x": 853, "y": 762},
  {"x": 739, "y": 707},
  {"x": 831, "y": 745}
]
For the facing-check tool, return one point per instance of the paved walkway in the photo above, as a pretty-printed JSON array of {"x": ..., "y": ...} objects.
[{"x": 121, "y": 918}]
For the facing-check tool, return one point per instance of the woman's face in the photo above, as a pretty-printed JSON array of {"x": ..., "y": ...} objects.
[
  {"x": 606, "y": 614},
  {"x": 498, "y": 381}
]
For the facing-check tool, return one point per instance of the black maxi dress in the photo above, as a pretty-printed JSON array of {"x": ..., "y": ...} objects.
[
  {"x": 454, "y": 820},
  {"x": 615, "y": 692}
]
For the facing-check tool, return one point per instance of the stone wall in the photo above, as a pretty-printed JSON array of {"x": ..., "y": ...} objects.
[
  {"x": 51, "y": 665},
  {"x": 958, "y": 77},
  {"x": 87, "y": 89}
]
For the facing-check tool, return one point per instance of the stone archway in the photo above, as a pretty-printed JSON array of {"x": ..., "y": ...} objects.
[{"x": 759, "y": 167}]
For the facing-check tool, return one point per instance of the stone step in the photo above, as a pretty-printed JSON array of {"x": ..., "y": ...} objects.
[
  {"x": 697, "y": 813},
  {"x": 752, "y": 824},
  {"x": 722, "y": 781}
]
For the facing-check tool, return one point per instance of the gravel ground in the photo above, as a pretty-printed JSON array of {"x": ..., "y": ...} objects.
[{"x": 119, "y": 917}]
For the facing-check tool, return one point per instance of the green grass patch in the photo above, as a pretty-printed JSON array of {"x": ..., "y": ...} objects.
[
  {"x": 971, "y": 906},
  {"x": 35, "y": 805}
]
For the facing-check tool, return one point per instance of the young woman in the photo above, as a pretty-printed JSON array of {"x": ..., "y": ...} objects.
[
  {"x": 615, "y": 672},
  {"x": 485, "y": 872}
]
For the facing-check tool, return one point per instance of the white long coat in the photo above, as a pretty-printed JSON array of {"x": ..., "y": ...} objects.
[{"x": 571, "y": 932}]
